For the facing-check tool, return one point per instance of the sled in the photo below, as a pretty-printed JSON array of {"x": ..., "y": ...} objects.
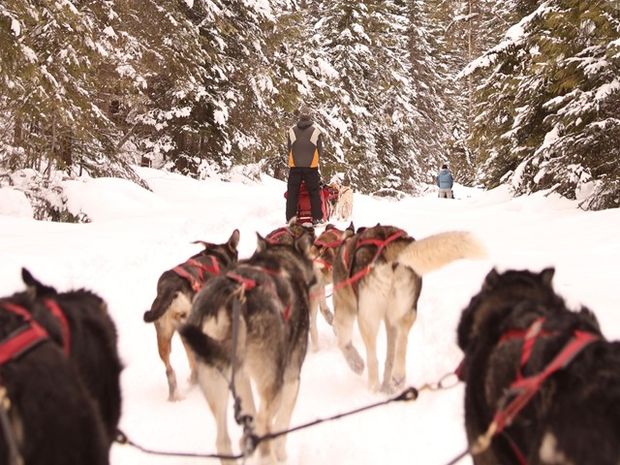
[{"x": 329, "y": 198}]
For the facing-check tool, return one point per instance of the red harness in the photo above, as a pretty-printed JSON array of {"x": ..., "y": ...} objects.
[
  {"x": 336, "y": 242},
  {"x": 325, "y": 245},
  {"x": 249, "y": 283},
  {"x": 380, "y": 244},
  {"x": 22, "y": 339},
  {"x": 523, "y": 388},
  {"x": 194, "y": 271},
  {"x": 55, "y": 310},
  {"x": 272, "y": 238}
]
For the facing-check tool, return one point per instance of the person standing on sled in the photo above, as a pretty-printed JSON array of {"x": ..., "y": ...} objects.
[
  {"x": 445, "y": 181},
  {"x": 305, "y": 148}
]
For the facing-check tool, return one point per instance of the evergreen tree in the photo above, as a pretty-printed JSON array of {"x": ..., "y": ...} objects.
[
  {"x": 366, "y": 42},
  {"x": 51, "y": 54},
  {"x": 549, "y": 105}
]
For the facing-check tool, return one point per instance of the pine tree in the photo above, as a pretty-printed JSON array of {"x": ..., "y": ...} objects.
[
  {"x": 549, "y": 102},
  {"x": 366, "y": 42},
  {"x": 50, "y": 55}
]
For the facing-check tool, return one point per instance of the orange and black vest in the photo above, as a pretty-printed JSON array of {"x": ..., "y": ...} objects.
[{"x": 304, "y": 145}]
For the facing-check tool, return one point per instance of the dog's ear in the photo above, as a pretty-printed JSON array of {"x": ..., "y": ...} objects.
[
  {"x": 261, "y": 243},
  {"x": 303, "y": 244},
  {"x": 589, "y": 315},
  {"x": 351, "y": 227},
  {"x": 491, "y": 280},
  {"x": 34, "y": 287},
  {"x": 306, "y": 230},
  {"x": 233, "y": 241},
  {"x": 546, "y": 276},
  {"x": 347, "y": 233}
]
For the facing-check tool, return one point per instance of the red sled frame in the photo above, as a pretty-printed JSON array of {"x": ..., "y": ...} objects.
[{"x": 329, "y": 197}]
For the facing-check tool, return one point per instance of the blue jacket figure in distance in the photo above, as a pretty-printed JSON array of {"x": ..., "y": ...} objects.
[{"x": 445, "y": 182}]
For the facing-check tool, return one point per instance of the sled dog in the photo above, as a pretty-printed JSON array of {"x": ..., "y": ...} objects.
[
  {"x": 378, "y": 277},
  {"x": 323, "y": 251},
  {"x": 287, "y": 235},
  {"x": 78, "y": 321},
  {"x": 48, "y": 416},
  {"x": 520, "y": 340},
  {"x": 271, "y": 289},
  {"x": 344, "y": 205},
  {"x": 176, "y": 289}
]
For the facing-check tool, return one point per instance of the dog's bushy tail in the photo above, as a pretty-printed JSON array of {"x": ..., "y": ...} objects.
[
  {"x": 436, "y": 251},
  {"x": 204, "y": 347},
  {"x": 160, "y": 305}
]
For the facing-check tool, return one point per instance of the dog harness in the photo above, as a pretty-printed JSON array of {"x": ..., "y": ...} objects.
[
  {"x": 12, "y": 347},
  {"x": 523, "y": 388},
  {"x": 23, "y": 338},
  {"x": 55, "y": 310},
  {"x": 333, "y": 243},
  {"x": 195, "y": 272},
  {"x": 347, "y": 256},
  {"x": 249, "y": 283}
]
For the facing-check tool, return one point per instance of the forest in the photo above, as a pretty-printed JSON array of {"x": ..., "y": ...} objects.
[{"x": 518, "y": 92}]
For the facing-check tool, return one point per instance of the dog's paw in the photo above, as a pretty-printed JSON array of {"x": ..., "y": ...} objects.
[
  {"x": 387, "y": 388},
  {"x": 393, "y": 385},
  {"x": 175, "y": 397},
  {"x": 354, "y": 360}
]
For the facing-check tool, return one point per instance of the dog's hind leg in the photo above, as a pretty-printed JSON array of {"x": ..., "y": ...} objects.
[
  {"x": 165, "y": 327},
  {"x": 327, "y": 314},
  {"x": 270, "y": 400},
  {"x": 369, "y": 319},
  {"x": 315, "y": 297},
  {"x": 401, "y": 314},
  {"x": 165, "y": 331},
  {"x": 344, "y": 316},
  {"x": 215, "y": 389},
  {"x": 290, "y": 390},
  {"x": 191, "y": 358},
  {"x": 318, "y": 301},
  {"x": 389, "y": 356},
  {"x": 403, "y": 326},
  {"x": 244, "y": 391}
]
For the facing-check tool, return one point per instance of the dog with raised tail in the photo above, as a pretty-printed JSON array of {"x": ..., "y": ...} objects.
[
  {"x": 377, "y": 277},
  {"x": 176, "y": 289}
]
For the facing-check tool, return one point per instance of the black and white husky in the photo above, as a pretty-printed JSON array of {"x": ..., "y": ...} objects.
[{"x": 271, "y": 292}]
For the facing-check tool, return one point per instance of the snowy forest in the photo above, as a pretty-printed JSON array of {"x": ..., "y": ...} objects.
[{"x": 524, "y": 93}]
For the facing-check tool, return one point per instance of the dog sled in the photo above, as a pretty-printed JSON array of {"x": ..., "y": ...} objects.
[{"x": 329, "y": 198}]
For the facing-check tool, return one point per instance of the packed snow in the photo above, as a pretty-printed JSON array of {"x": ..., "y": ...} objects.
[{"x": 136, "y": 234}]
